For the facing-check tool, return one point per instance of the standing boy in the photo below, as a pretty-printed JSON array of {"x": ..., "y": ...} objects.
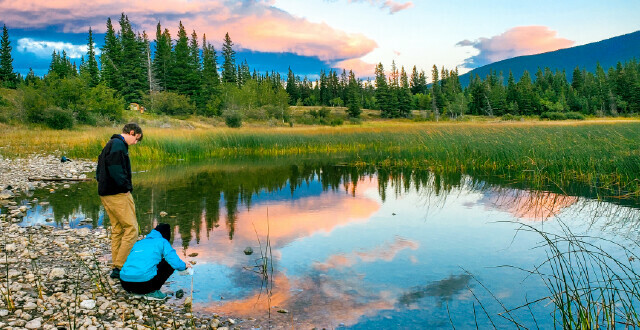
[{"x": 114, "y": 187}]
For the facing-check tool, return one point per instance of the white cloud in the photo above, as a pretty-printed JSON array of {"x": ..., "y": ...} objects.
[{"x": 44, "y": 49}]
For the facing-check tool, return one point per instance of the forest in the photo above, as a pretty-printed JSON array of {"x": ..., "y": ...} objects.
[{"x": 185, "y": 76}]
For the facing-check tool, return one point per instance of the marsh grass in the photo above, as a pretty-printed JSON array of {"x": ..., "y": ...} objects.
[
  {"x": 592, "y": 282},
  {"x": 601, "y": 154}
]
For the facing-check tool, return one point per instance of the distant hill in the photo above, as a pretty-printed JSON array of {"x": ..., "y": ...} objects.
[{"x": 607, "y": 52}]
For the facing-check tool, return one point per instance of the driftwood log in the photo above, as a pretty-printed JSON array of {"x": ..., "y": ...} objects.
[{"x": 60, "y": 179}]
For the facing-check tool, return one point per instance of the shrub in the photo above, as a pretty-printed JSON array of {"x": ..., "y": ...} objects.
[
  {"x": 552, "y": 115},
  {"x": 58, "y": 118},
  {"x": 34, "y": 103},
  {"x": 169, "y": 103},
  {"x": 336, "y": 121},
  {"x": 324, "y": 112},
  {"x": 509, "y": 117},
  {"x": 575, "y": 116},
  {"x": 103, "y": 102},
  {"x": 233, "y": 119}
]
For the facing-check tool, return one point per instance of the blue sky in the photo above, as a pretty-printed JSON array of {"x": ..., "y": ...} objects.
[{"x": 319, "y": 34}]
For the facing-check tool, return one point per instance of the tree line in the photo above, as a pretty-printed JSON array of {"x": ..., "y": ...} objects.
[{"x": 182, "y": 76}]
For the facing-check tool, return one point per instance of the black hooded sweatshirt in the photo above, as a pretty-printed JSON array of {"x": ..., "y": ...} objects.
[{"x": 114, "y": 168}]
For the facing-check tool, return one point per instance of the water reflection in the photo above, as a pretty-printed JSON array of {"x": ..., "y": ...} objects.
[{"x": 364, "y": 247}]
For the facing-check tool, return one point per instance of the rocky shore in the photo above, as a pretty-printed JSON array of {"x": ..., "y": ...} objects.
[
  {"x": 57, "y": 278},
  {"x": 52, "y": 278},
  {"x": 15, "y": 173}
]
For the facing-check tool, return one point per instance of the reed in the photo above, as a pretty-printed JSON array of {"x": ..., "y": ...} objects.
[
  {"x": 602, "y": 154},
  {"x": 591, "y": 281}
]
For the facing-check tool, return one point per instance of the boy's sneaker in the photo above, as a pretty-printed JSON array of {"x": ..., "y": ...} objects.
[
  {"x": 155, "y": 295},
  {"x": 115, "y": 273}
]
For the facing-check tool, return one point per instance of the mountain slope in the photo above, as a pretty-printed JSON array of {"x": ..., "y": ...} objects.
[{"x": 607, "y": 52}]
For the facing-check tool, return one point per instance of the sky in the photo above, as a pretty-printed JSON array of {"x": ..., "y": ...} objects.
[{"x": 311, "y": 35}]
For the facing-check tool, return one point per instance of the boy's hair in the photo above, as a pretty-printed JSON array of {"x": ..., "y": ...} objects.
[{"x": 133, "y": 127}]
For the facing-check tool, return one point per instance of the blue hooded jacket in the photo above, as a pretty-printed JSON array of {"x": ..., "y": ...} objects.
[{"x": 142, "y": 262}]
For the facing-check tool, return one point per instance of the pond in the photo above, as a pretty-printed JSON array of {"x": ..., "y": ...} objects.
[{"x": 356, "y": 247}]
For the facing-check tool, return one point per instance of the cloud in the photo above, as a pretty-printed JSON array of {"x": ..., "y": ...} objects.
[
  {"x": 254, "y": 25},
  {"x": 385, "y": 252},
  {"x": 518, "y": 41},
  {"x": 359, "y": 67},
  {"x": 393, "y": 6},
  {"x": 43, "y": 49}
]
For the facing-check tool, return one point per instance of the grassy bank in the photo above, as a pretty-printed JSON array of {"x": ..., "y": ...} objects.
[{"x": 603, "y": 154}]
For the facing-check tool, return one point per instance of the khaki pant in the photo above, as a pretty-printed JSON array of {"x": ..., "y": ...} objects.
[{"x": 124, "y": 225}]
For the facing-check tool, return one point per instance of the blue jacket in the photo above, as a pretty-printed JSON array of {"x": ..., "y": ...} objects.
[{"x": 142, "y": 262}]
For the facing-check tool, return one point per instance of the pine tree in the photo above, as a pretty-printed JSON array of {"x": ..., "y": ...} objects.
[
  {"x": 353, "y": 96},
  {"x": 132, "y": 63},
  {"x": 292, "y": 89},
  {"x": 415, "y": 81},
  {"x": 195, "y": 70},
  {"x": 91, "y": 64},
  {"x": 512, "y": 93},
  {"x": 110, "y": 59},
  {"x": 162, "y": 58},
  {"x": 180, "y": 66},
  {"x": 229, "y": 64},
  {"x": 210, "y": 80},
  {"x": 382, "y": 92},
  {"x": 7, "y": 76},
  {"x": 404, "y": 95},
  {"x": 436, "y": 91}
]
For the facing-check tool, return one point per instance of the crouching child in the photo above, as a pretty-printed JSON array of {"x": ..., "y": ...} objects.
[{"x": 150, "y": 263}]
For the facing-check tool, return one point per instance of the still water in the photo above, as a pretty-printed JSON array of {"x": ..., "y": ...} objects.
[{"x": 354, "y": 247}]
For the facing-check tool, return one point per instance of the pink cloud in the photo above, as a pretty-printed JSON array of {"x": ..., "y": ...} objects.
[
  {"x": 255, "y": 25},
  {"x": 359, "y": 67},
  {"x": 393, "y": 6},
  {"x": 385, "y": 252},
  {"x": 518, "y": 41}
]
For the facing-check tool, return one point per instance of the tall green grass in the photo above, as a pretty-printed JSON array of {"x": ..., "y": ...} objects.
[{"x": 604, "y": 155}]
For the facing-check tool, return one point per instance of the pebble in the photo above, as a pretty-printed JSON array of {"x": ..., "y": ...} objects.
[
  {"x": 88, "y": 304},
  {"x": 34, "y": 324}
]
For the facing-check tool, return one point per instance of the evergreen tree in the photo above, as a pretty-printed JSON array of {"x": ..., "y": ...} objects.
[
  {"x": 436, "y": 91},
  {"x": 415, "y": 81},
  {"x": 162, "y": 58},
  {"x": 353, "y": 97},
  {"x": 526, "y": 97},
  {"x": 292, "y": 89},
  {"x": 91, "y": 65},
  {"x": 512, "y": 93},
  {"x": 194, "y": 70},
  {"x": 382, "y": 92},
  {"x": 132, "y": 63},
  {"x": 180, "y": 64},
  {"x": 210, "y": 80},
  {"x": 405, "y": 98},
  {"x": 110, "y": 59},
  {"x": 7, "y": 76},
  {"x": 229, "y": 64}
]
